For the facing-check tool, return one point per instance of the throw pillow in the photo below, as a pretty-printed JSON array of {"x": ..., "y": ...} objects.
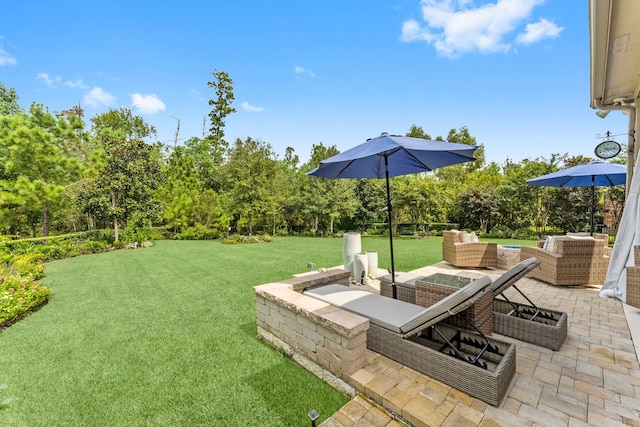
[{"x": 552, "y": 243}]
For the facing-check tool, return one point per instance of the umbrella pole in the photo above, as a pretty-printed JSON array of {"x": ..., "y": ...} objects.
[
  {"x": 393, "y": 268},
  {"x": 593, "y": 200}
]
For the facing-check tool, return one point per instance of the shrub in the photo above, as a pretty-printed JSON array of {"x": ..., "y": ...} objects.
[
  {"x": 19, "y": 295},
  {"x": 199, "y": 232},
  {"x": 27, "y": 265},
  {"x": 94, "y": 247},
  {"x": 239, "y": 238},
  {"x": 58, "y": 247},
  {"x": 439, "y": 227}
]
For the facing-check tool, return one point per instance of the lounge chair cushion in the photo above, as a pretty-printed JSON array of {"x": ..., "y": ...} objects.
[
  {"x": 395, "y": 315},
  {"x": 385, "y": 312},
  {"x": 513, "y": 275}
]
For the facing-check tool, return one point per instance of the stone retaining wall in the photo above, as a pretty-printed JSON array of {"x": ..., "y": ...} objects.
[{"x": 326, "y": 340}]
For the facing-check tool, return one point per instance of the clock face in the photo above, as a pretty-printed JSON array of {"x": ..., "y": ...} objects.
[{"x": 607, "y": 149}]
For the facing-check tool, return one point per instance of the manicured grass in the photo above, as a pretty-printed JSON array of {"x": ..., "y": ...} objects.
[{"x": 166, "y": 336}]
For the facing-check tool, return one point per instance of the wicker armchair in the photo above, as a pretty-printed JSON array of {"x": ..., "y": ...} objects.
[
  {"x": 574, "y": 261},
  {"x": 604, "y": 238},
  {"x": 473, "y": 254}
]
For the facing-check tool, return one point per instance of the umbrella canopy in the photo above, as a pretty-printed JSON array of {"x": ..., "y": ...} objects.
[
  {"x": 593, "y": 174},
  {"x": 596, "y": 173},
  {"x": 393, "y": 155},
  {"x": 405, "y": 156}
]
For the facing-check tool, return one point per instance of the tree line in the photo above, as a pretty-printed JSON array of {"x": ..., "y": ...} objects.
[{"x": 59, "y": 174}]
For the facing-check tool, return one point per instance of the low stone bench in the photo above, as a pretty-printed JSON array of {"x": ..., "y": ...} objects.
[{"x": 326, "y": 340}]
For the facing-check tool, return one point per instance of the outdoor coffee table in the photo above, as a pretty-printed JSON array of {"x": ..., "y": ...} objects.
[{"x": 433, "y": 288}]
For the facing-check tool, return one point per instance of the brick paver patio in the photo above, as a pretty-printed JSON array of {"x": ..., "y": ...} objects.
[{"x": 594, "y": 379}]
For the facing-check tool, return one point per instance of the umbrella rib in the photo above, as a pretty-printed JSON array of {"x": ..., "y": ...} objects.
[
  {"x": 346, "y": 166},
  {"x": 428, "y": 167}
]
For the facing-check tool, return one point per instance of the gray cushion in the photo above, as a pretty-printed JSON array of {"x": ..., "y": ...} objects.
[
  {"x": 448, "y": 306},
  {"x": 395, "y": 315},
  {"x": 385, "y": 312},
  {"x": 514, "y": 274}
]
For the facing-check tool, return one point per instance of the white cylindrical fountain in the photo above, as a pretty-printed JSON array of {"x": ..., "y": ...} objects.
[
  {"x": 372, "y": 264},
  {"x": 360, "y": 264},
  {"x": 351, "y": 245}
]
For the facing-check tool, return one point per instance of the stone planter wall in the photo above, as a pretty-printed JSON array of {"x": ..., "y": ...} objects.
[{"x": 328, "y": 341}]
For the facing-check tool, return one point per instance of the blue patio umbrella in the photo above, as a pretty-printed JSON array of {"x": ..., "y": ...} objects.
[
  {"x": 593, "y": 174},
  {"x": 393, "y": 155}
]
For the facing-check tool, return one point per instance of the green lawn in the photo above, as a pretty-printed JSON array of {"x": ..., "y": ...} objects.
[{"x": 166, "y": 336}]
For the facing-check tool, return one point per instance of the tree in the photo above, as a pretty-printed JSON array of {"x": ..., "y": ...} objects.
[
  {"x": 476, "y": 207},
  {"x": 223, "y": 86},
  {"x": 325, "y": 199},
  {"x": 572, "y": 205},
  {"x": 123, "y": 123},
  {"x": 542, "y": 198},
  {"x": 371, "y": 199},
  {"x": 175, "y": 193},
  {"x": 131, "y": 170},
  {"x": 458, "y": 173},
  {"x": 514, "y": 200},
  {"x": 9, "y": 101},
  {"x": 186, "y": 201},
  {"x": 208, "y": 170},
  {"x": 419, "y": 198},
  {"x": 38, "y": 162},
  {"x": 282, "y": 202},
  {"x": 251, "y": 178},
  {"x": 417, "y": 132}
]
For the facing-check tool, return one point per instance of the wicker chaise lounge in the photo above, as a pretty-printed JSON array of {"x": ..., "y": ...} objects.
[
  {"x": 526, "y": 322},
  {"x": 409, "y": 334}
]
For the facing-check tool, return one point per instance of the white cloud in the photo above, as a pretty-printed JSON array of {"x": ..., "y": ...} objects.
[
  {"x": 97, "y": 97},
  {"x": 49, "y": 81},
  {"x": 77, "y": 84},
  {"x": 248, "y": 107},
  {"x": 301, "y": 70},
  {"x": 542, "y": 29},
  {"x": 459, "y": 26},
  {"x": 148, "y": 104},
  {"x": 5, "y": 57},
  {"x": 196, "y": 94}
]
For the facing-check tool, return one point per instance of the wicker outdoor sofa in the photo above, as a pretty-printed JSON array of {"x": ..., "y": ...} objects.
[
  {"x": 460, "y": 253},
  {"x": 480, "y": 366},
  {"x": 570, "y": 260}
]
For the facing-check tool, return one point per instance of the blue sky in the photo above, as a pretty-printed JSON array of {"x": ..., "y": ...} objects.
[{"x": 515, "y": 72}]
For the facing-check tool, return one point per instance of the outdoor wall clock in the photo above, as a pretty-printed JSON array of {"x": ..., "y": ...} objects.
[{"x": 607, "y": 149}]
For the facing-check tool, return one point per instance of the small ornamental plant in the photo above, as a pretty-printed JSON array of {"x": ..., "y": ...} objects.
[{"x": 20, "y": 293}]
